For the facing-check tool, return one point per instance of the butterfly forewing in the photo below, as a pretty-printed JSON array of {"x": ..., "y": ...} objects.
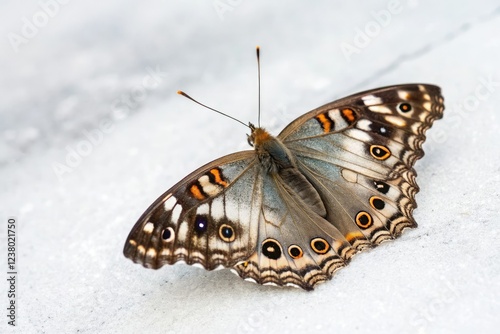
[
  {"x": 206, "y": 218},
  {"x": 364, "y": 172}
]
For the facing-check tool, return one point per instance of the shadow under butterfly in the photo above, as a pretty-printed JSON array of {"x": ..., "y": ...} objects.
[{"x": 291, "y": 212}]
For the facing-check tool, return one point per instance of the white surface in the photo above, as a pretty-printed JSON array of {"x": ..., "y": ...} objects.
[{"x": 442, "y": 277}]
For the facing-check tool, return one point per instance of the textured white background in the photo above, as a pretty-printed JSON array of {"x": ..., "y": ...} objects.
[{"x": 82, "y": 64}]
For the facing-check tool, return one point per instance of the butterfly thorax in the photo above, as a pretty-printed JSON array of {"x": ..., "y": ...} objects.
[
  {"x": 272, "y": 153},
  {"x": 277, "y": 160}
]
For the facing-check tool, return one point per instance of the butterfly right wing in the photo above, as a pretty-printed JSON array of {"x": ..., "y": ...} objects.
[
  {"x": 359, "y": 152},
  {"x": 204, "y": 219}
]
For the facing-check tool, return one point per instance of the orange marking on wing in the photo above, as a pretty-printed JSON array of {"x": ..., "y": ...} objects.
[
  {"x": 325, "y": 122},
  {"x": 196, "y": 192},
  {"x": 218, "y": 179},
  {"x": 349, "y": 115},
  {"x": 351, "y": 236}
]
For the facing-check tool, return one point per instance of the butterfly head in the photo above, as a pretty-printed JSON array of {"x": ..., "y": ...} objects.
[{"x": 258, "y": 136}]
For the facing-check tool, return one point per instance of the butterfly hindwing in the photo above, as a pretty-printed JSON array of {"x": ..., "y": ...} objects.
[{"x": 295, "y": 246}]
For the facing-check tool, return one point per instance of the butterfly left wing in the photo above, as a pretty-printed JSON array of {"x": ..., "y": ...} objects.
[
  {"x": 205, "y": 219},
  {"x": 359, "y": 152},
  {"x": 232, "y": 213}
]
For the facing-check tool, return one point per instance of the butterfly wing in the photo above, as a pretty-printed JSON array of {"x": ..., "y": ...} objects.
[
  {"x": 233, "y": 213},
  {"x": 353, "y": 187},
  {"x": 295, "y": 245},
  {"x": 208, "y": 218},
  {"x": 359, "y": 152}
]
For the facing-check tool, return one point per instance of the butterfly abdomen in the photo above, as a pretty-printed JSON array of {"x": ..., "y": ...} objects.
[{"x": 297, "y": 184}]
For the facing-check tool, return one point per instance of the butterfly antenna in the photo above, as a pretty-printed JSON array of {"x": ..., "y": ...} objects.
[
  {"x": 180, "y": 92},
  {"x": 258, "y": 73}
]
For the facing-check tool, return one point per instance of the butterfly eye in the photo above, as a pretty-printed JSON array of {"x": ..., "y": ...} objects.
[
  {"x": 364, "y": 220},
  {"x": 271, "y": 249},
  {"x": 200, "y": 224},
  {"x": 226, "y": 233},
  {"x": 380, "y": 152},
  {"x": 250, "y": 140},
  {"x": 377, "y": 203},
  {"x": 168, "y": 234},
  {"x": 320, "y": 246},
  {"x": 404, "y": 107},
  {"x": 295, "y": 252}
]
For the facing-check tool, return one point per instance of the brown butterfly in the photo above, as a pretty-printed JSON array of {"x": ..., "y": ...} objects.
[{"x": 295, "y": 209}]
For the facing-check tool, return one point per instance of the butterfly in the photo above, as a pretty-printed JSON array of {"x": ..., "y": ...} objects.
[{"x": 296, "y": 208}]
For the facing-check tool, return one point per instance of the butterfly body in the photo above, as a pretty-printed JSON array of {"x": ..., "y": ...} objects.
[
  {"x": 297, "y": 207},
  {"x": 278, "y": 162}
]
